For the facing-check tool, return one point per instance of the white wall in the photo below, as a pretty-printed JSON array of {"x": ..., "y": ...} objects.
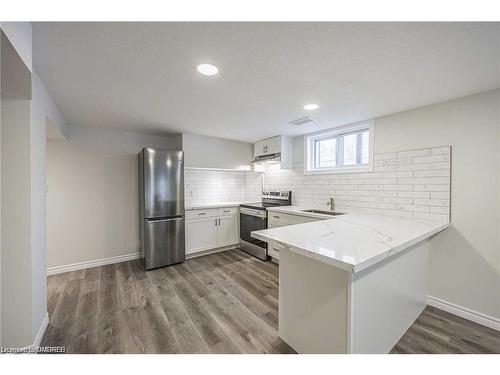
[
  {"x": 24, "y": 214},
  {"x": 465, "y": 259},
  {"x": 44, "y": 113},
  {"x": 19, "y": 313},
  {"x": 45, "y": 110},
  {"x": 20, "y": 35},
  {"x": 1, "y": 103},
  {"x": 92, "y": 182},
  {"x": 209, "y": 152},
  {"x": 92, "y": 201},
  {"x": 16, "y": 275}
]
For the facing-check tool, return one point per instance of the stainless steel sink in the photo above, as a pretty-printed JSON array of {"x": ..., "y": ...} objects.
[{"x": 331, "y": 213}]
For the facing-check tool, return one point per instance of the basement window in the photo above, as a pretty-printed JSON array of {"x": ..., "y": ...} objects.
[{"x": 345, "y": 149}]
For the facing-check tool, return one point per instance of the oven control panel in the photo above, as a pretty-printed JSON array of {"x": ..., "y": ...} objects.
[{"x": 284, "y": 195}]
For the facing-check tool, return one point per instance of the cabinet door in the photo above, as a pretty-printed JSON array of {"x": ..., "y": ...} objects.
[
  {"x": 278, "y": 219},
  {"x": 273, "y": 250},
  {"x": 273, "y": 145},
  {"x": 227, "y": 231},
  {"x": 259, "y": 148},
  {"x": 275, "y": 220},
  {"x": 201, "y": 234}
]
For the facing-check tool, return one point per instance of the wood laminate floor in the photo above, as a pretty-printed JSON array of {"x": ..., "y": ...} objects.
[{"x": 220, "y": 303}]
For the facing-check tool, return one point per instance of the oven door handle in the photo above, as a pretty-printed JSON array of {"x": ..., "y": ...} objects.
[{"x": 255, "y": 213}]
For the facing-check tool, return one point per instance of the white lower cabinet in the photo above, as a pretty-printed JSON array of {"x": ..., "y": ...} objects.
[
  {"x": 273, "y": 250},
  {"x": 278, "y": 219},
  {"x": 227, "y": 231},
  {"x": 201, "y": 234},
  {"x": 211, "y": 229}
]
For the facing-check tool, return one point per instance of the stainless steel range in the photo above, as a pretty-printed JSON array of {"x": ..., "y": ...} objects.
[{"x": 253, "y": 216}]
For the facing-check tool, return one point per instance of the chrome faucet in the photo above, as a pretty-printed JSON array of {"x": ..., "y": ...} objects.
[{"x": 331, "y": 204}]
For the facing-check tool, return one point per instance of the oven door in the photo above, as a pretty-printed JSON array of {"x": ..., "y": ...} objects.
[{"x": 251, "y": 220}]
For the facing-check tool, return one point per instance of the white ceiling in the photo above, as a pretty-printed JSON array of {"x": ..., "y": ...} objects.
[{"x": 142, "y": 77}]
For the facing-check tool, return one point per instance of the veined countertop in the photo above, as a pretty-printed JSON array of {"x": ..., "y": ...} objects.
[
  {"x": 214, "y": 205},
  {"x": 352, "y": 242}
]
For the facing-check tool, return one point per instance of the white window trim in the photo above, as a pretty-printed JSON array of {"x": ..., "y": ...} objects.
[{"x": 310, "y": 138}]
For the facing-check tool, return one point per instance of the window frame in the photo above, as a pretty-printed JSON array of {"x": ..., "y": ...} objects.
[{"x": 310, "y": 140}]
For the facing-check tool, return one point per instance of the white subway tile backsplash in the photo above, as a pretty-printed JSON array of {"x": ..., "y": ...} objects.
[
  {"x": 440, "y": 210},
  {"x": 441, "y": 150},
  {"x": 422, "y": 167},
  {"x": 440, "y": 165},
  {"x": 440, "y": 180},
  {"x": 204, "y": 186},
  {"x": 414, "y": 153},
  {"x": 439, "y": 195},
  {"x": 417, "y": 208},
  {"x": 405, "y": 161},
  {"x": 432, "y": 202},
  {"x": 432, "y": 173},
  {"x": 385, "y": 156},
  {"x": 431, "y": 216},
  {"x": 374, "y": 211},
  {"x": 414, "y": 194},
  {"x": 414, "y": 183},
  {"x": 432, "y": 159},
  {"x": 414, "y": 180}
]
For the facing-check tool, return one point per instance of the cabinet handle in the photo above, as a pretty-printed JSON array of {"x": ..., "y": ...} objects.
[
  {"x": 215, "y": 222},
  {"x": 226, "y": 211},
  {"x": 219, "y": 222},
  {"x": 201, "y": 213},
  {"x": 276, "y": 217}
]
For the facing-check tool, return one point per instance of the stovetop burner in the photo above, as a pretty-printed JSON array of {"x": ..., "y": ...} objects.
[{"x": 271, "y": 199}]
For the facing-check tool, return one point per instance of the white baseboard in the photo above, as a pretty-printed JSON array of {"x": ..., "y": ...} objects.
[
  {"x": 465, "y": 313},
  {"x": 92, "y": 263},
  {"x": 121, "y": 258},
  {"x": 41, "y": 331}
]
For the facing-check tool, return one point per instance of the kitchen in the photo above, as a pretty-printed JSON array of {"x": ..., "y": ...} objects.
[{"x": 346, "y": 221}]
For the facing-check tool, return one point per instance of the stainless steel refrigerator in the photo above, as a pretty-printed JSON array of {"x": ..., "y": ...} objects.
[{"x": 161, "y": 207}]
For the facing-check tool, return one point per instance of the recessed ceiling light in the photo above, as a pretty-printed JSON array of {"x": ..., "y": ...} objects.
[
  {"x": 311, "y": 107},
  {"x": 207, "y": 69}
]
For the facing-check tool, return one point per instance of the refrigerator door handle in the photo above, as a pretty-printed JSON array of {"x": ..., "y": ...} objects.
[{"x": 178, "y": 217}]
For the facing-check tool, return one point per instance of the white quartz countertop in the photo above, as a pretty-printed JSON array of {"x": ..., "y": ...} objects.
[
  {"x": 214, "y": 205},
  {"x": 352, "y": 242}
]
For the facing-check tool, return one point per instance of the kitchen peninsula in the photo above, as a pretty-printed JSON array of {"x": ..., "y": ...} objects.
[{"x": 352, "y": 284}]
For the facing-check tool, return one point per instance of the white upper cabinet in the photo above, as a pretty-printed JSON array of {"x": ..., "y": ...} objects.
[
  {"x": 268, "y": 146},
  {"x": 281, "y": 145}
]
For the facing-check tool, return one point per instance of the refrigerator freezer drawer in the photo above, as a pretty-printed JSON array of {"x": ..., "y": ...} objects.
[{"x": 164, "y": 242}]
